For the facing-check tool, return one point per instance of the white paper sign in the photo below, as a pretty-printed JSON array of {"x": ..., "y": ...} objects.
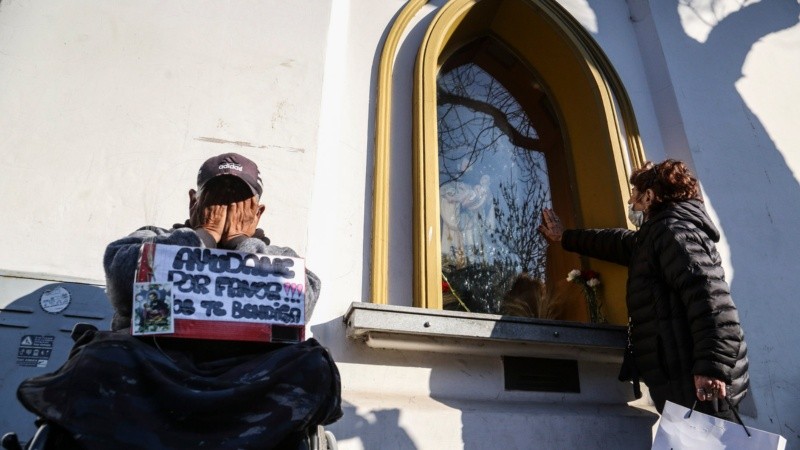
[{"x": 230, "y": 286}]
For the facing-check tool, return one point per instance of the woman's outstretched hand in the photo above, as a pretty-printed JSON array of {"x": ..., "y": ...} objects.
[{"x": 551, "y": 226}]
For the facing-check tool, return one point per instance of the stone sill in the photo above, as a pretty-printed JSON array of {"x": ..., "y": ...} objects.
[{"x": 419, "y": 329}]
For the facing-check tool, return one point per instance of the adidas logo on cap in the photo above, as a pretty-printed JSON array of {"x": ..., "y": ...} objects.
[{"x": 230, "y": 166}]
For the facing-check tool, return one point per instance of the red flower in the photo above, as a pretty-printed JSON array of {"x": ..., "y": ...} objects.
[
  {"x": 445, "y": 287},
  {"x": 589, "y": 274}
]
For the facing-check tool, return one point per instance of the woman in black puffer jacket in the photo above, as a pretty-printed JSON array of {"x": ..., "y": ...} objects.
[{"x": 686, "y": 340}]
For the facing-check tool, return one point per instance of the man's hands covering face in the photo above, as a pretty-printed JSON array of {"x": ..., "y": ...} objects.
[
  {"x": 210, "y": 214},
  {"x": 242, "y": 218},
  {"x": 225, "y": 221}
]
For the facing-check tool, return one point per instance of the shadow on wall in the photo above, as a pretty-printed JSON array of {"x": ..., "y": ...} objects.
[
  {"x": 502, "y": 417},
  {"x": 746, "y": 180},
  {"x": 35, "y": 332},
  {"x": 376, "y": 429}
]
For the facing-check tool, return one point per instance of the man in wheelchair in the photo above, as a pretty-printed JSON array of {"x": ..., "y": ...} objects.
[{"x": 162, "y": 392}]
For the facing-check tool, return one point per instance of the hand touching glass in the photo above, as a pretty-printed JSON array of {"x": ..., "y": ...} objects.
[{"x": 551, "y": 226}]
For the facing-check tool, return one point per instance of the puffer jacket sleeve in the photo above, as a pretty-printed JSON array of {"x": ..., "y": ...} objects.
[
  {"x": 692, "y": 268},
  {"x": 119, "y": 263},
  {"x": 610, "y": 244}
]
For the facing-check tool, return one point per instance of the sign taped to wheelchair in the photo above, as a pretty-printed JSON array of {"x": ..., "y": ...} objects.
[{"x": 218, "y": 294}]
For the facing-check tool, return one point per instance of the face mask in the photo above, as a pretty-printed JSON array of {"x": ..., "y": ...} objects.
[{"x": 636, "y": 217}]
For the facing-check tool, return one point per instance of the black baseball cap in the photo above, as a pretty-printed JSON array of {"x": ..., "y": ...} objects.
[{"x": 231, "y": 164}]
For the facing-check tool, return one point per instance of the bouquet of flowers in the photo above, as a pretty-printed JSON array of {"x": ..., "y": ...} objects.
[{"x": 589, "y": 281}]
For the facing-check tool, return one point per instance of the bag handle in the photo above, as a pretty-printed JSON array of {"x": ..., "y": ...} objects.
[{"x": 735, "y": 414}]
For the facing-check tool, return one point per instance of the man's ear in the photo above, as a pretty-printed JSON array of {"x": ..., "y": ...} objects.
[
  {"x": 192, "y": 198},
  {"x": 261, "y": 209}
]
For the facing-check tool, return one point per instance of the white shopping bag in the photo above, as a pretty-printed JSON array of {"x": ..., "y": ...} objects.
[{"x": 681, "y": 428}]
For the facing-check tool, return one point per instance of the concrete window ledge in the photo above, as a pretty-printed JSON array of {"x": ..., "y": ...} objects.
[{"x": 419, "y": 329}]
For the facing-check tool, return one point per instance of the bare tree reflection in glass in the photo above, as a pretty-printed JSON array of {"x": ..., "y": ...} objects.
[{"x": 493, "y": 185}]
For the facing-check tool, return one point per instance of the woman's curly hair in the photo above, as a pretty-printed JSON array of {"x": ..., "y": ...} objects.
[{"x": 670, "y": 180}]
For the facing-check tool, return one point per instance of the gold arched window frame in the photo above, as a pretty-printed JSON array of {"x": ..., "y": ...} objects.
[{"x": 584, "y": 84}]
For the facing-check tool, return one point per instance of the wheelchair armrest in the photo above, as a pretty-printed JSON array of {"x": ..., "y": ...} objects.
[{"x": 10, "y": 441}]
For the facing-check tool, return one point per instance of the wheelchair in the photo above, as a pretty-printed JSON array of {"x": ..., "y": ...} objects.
[{"x": 51, "y": 435}]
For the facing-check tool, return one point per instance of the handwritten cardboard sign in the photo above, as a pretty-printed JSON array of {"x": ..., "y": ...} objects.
[{"x": 216, "y": 294}]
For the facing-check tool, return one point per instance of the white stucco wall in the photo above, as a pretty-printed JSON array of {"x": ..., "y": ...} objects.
[{"x": 108, "y": 108}]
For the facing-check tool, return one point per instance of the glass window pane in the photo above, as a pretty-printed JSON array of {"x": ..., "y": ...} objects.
[{"x": 493, "y": 182}]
